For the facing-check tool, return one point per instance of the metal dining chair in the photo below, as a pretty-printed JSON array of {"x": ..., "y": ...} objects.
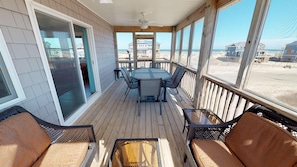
[
  {"x": 131, "y": 84},
  {"x": 155, "y": 65},
  {"x": 175, "y": 80},
  {"x": 128, "y": 75},
  {"x": 150, "y": 87},
  {"x": 176, "y": 71}
]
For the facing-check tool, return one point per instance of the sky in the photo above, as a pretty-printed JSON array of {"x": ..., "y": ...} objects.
[{"x": 233, "y": 25}]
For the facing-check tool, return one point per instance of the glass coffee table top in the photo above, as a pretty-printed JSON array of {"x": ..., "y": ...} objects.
[
  {"x": 135, "y": 153},
  {"x": 200, "y": 116}
]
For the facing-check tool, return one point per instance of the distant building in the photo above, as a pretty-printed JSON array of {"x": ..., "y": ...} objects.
[
  {"x": 144, "y": 47},
  {"x": 290, "y": 52},
  {"x": 236, "y": 50}
]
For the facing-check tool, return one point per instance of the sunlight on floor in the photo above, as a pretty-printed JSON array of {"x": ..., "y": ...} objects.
[{"x": 165, "y": 153}]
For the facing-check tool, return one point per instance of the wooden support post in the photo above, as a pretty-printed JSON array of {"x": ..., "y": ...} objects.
[{"x": 206, "y": 47}]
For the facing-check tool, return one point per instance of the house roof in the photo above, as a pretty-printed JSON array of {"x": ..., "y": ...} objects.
[
  {"x": 144, "y": 42},
  {"x": 242, "y": 45},
  {"x": 293, "y": 43}
]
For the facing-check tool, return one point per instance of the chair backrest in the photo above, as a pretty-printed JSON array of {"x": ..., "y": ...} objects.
[
  {"x": 176, "y": 71},
  {"x": 126, "y": 77},
  {"x": 155, "y": 65},
  {"x": 179, "y": 77},
  {"x": 125, "y": 71},
  {"x": 149, "y": 87},
  {"x": 127, "y": 74}
]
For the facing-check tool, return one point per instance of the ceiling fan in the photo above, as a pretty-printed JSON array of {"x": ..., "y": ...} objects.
[{"x": 142, "y": 21}]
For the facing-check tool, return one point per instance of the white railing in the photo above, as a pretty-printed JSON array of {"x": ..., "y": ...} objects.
[{"x": 164, "y": 64}]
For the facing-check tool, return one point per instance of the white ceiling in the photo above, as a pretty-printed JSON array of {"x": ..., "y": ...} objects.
[{"x": 158, "y": 12}]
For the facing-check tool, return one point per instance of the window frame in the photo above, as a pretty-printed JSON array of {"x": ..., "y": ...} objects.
[{"x": 15, "y": 82}]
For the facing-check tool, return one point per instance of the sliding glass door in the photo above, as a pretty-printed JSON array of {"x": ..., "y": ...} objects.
[
  {"x": 63, "y": 62},
  {"x": 82, "y": 47}
]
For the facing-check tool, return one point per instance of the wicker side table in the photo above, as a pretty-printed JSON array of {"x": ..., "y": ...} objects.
[{"x": 199, "y": 116}]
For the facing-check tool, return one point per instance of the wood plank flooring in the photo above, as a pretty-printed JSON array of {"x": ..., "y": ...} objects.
[{"x": 113, "y": 118}]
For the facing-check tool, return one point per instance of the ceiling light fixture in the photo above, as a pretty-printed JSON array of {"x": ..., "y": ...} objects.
[
  {"x": 143, "y": 26},
  {"x": 105, "y": 1}
]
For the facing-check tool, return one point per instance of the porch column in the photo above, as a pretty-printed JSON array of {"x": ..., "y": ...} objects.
[
  {"x": 116, "y": 48},
  {"x": 154, "y": 47},
  {"x": 205, "y": 49},
  {"x": 134, "y": 51},
  {"x": 172, "y": 54},
  {"x": 252, "y": 42}
]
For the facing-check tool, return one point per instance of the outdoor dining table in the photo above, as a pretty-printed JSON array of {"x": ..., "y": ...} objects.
[{"x": 150, "y": 73}]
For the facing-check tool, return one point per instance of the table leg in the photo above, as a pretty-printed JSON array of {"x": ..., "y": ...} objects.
[{"x": 164, "y": 96}]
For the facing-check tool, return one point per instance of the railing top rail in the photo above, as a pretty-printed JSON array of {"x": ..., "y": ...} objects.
[{"x": 255, "y": 98}]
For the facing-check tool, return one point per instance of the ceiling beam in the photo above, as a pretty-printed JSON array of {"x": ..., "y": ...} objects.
[{"x": 138, "y": 29}]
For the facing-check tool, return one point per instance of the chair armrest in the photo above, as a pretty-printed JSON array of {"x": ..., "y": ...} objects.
[{"x": 62, "y": 134}]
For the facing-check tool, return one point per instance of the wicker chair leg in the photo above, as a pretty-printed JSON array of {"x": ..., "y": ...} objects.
[{"x": 185, "y": 158}]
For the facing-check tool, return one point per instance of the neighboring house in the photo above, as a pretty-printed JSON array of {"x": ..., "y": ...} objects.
[
  {"x": 38, "y": 68},
  {"x": 236, "y": 50},
  {"x": 290, "y": 52},
  {"x": 144, "y": 48}
]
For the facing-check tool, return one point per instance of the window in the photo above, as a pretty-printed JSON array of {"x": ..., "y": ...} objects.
[
  {"x": 274, "y": 73},
  {"x": 125, "y": 46},
  {"x": 163, "y": 49},
  {"x": 185, "y": 45},
  {"x": 232, "y": 29},
  {"x": 197, "y": 36},
  {"x": 177, "y": 46},
  {"x": 11, "y": 91}
]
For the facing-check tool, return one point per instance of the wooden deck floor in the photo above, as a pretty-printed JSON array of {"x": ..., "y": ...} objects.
[{"x": 113, "y": 118}]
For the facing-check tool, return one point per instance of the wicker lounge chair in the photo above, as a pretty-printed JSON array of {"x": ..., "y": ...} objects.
[
  {"x": 40, "y": 143},
  {"x": 259, "y": 137}
]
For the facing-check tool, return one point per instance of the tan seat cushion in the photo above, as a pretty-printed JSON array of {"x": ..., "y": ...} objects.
[
  {"x": 22, "y": 140},
  {"x": 213, "y": 153},
  {"x": 258, "y": 142},
  {"x": 63, "y": 154}
]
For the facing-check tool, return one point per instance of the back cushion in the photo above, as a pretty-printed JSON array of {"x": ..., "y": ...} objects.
[
  {"x": 258, "y": 142},
  {"x": 22, "y": 140}
]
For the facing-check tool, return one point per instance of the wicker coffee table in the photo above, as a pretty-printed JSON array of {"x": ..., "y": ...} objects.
[{"x": 140, "y": 152}]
